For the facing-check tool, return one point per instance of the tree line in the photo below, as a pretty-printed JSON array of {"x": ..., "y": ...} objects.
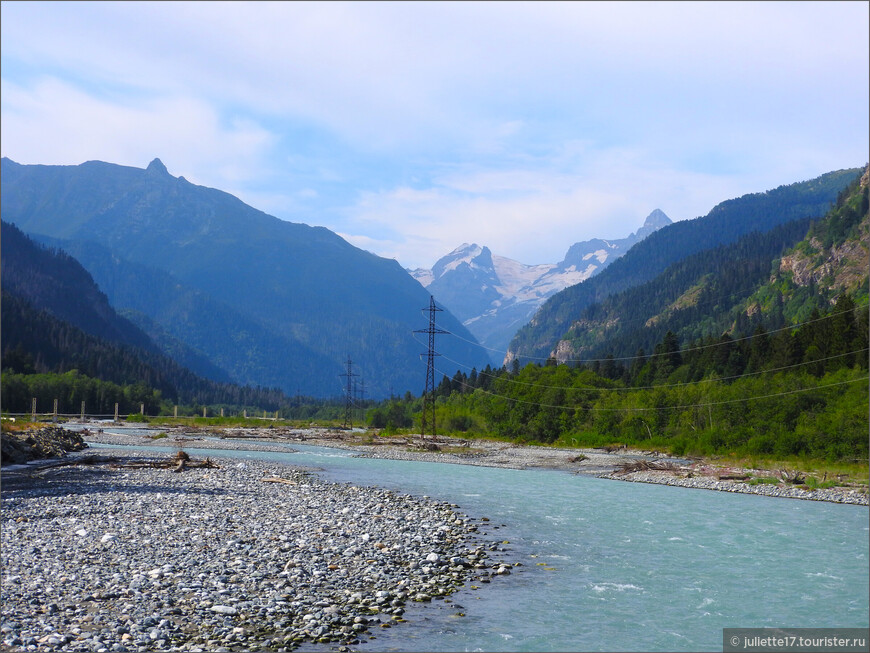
[{"x": 790, "y": 392}]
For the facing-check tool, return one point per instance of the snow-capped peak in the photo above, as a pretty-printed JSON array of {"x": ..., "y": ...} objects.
[
  {"x": 494, "y": 296},
  {"x": 471, "y": 255}
]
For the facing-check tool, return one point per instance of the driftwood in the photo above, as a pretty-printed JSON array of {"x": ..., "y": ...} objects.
[
  {"x": 85, "y": 460},
  {"x": 179, "y": 463},
  {"x": 795, "y": 477},
  {"x": 647, "y": 465},
  {"x": 183, "y": 461},
  {"x": 276, "y": 479},
  {"x": 725, "y": 476}
]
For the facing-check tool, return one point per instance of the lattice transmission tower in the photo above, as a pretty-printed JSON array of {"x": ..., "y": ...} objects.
[
  {"x": 348, "y": 398},
  {"x": 429, "y": 392}
]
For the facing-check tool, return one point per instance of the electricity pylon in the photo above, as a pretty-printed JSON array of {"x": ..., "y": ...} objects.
[
  {"x": 348, "y": 400},
  {"x": 429, "y": 392}
]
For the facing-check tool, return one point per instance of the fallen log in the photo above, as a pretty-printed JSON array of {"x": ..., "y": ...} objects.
[
  {"x": 277, "y": 479},
  {"x": 177, "y": 464}
]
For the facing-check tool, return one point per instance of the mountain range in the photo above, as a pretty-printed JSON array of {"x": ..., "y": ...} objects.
[
  {"x": 150, "y": 279},
  {"x": 755, "y": 347},
  {"x": 265, "y": 301},
  {"x": 495, "y": 296},
  {"x": 561, "y": 317}
]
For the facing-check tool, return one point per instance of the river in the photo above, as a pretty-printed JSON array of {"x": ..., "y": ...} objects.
[{"x": 609, "y": 566}]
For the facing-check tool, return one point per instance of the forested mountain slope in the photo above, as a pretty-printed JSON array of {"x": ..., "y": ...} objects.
[
  {"x": 307, "y": 287},
  {"x": 182, "y": 319},
  {"x": 726, "y": 223},
  {"x": 772, "y": 279},
  {"x": 55, "y": 282},
  {"x": 56, "y": 320},
  {"x": 692, "y": 298}
]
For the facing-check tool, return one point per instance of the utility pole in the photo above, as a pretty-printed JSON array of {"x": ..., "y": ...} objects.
[
  {"x": 429, "y": 392},
  {"x": 348, "y": 399},
  {"x": 362, "y": 398}
]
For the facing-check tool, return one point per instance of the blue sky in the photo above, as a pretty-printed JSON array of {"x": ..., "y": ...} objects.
[{"x": 412, "y": 127}]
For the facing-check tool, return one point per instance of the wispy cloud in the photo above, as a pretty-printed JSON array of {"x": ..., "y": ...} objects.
[
  {"x": 55, "y": 122},
  {"x": 412, "y": 127}
]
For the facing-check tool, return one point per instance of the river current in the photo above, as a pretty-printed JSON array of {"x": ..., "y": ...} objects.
[{"x": 613, "y": 566}]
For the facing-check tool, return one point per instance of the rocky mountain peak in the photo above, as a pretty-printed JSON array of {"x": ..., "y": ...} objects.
[
  {"x": 156, "y": 167},
  {"x": 654, "y": 221},
  {"x": 494, "y": 296},
  {"x": 469, "y": 254},
  {"x": 657, "y": 219}
]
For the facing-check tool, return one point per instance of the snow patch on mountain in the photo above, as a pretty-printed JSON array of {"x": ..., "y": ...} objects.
[{"x": 495, "y": 296}]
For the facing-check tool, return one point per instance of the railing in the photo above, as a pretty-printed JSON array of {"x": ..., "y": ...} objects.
[{"x": 117, "y": 417}]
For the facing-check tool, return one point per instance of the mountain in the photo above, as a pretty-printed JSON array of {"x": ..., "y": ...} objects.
[
  {"x": 56, "y": 319},
  {"x": 692, "y": 298},
  {"x": 190, "y": 325},
  {"x": 591, "y": 256},
  {"x": 724, "y": 224},
  {"x": 832, "y": 259},
  {"x": 770, "y": 280},
  {"x": 55, "y": 282},
  {"x": 494, "y": 296},
  {"x": 751, "y": 348},
  {"x": 269, "y": 302}
]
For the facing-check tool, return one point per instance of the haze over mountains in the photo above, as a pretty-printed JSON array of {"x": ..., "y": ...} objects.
[
  {"x": 270, "y": 303},
  {"x": 494, "y": 296},
  {"x": 235, "y": 296}
]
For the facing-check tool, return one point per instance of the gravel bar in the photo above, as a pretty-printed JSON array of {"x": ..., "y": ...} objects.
[
  {"x": 251, "y": 556},
  {"x": 782, "y": 491},
  {"x": 485, "y": 453}
]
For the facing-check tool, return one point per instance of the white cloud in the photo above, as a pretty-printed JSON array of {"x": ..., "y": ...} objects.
[
  {"x": 53, "y": 122},
  {"x": 388, "y": 74},
  {"x": 413, "y": 127},
  {"x": 534, "y": 212}
]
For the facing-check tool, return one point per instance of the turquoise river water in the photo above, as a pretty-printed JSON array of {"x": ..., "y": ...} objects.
[{"x": 626, "y": 566}]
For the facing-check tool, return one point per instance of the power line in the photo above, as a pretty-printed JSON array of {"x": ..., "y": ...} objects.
[
  {"x": 678, "y": 407},
  {"x": 688, "y": 349}
]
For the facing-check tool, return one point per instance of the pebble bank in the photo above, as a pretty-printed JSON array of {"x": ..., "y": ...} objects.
[
  {"x": 833, "y": 495},
  {"x": 248, "y": 557}
]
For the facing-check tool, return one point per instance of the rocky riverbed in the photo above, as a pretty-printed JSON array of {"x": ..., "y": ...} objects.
[
  {"x": 621, "y": 464},
  {"x": 124, "y": 555},
  {"x": 250, "y": 556}
]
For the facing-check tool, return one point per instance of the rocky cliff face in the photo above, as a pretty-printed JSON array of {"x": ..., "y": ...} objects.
[{"x": 841, "y": 266}]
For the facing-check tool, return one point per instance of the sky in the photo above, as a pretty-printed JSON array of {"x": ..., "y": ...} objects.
[{"x": 410, "y": 128}]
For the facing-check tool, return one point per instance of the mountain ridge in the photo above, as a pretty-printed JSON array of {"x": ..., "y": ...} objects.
[
  {"x": 494, "y": 296},
  {"x": 303, "y": 284},
  {"x": 725, "y": 223}
]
